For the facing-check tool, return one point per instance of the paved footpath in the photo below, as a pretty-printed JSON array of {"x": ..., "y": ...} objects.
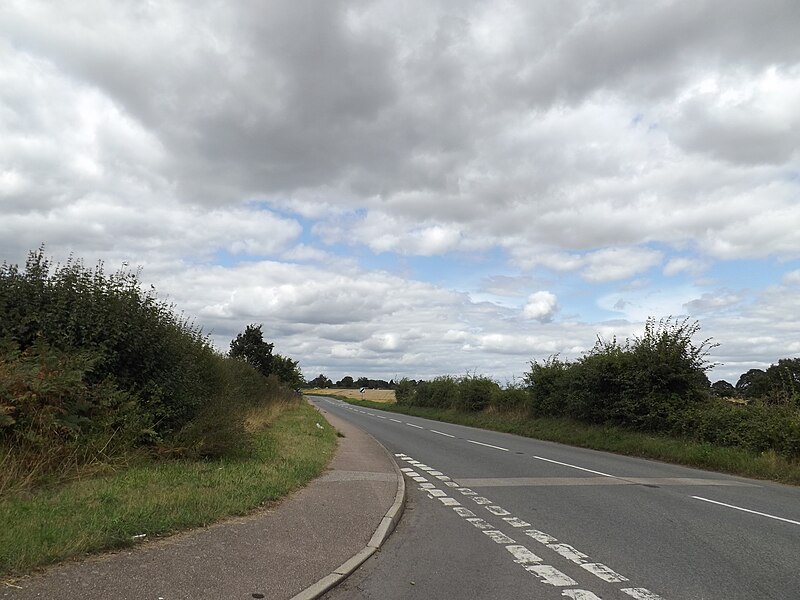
[{"x": 298, "y": 548}]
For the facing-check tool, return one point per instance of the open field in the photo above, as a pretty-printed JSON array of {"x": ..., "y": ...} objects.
[{"x": 371, "y": 395}]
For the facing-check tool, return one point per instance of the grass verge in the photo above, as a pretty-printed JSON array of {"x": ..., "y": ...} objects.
[
  {"x": 157, "y": 499},
  {"x": 735, "y": 461}
]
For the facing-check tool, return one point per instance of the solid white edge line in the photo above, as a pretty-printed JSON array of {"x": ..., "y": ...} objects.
[
  {"x": 747, "y": 510},
  {"x": 574, "y": 466},
  {"x": 412, "y": 425},
  {"x": 488, "y": 445},
  {"x": 441, "y": 433}
]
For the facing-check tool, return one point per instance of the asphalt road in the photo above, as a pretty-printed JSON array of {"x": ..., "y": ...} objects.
[{"x": 492, "y": 515}]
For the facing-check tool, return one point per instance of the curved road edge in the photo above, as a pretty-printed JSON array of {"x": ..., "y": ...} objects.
[{"x": 383, "y": 531}]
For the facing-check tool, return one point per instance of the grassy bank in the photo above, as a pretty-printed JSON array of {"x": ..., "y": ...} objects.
[
  {"x": 735, "y": 461},
  {"x": 158, "y": 498}
]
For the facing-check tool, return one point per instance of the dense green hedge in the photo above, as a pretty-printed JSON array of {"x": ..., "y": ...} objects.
[
  {"x": 655, "y": 383},
  {"x": 92, "y": 368}
]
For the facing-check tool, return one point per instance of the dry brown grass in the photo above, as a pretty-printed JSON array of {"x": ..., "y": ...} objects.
[{"x": 373, "y": 395}]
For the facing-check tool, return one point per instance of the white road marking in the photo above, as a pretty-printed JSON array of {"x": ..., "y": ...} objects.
[
  {"x": 522, "y": 555},
  {"x": 573, "y": 466},
  {"x": 641, "y": 594},
  {"x": 580, "y": 595},
  {"x": 498, "y": 511},
  {"x": 603, "y": 572},
  {"x": 547, "y": 574},
  {"x": 551, "y": 575},
  {"x": 488, "y": 445},
  {"x": 401, "y": 455},
  {"x": 480, "y": 523},
  {"x": 419, "y": 479},
  {"x": 441, "y": 433},
  {"x": 380, "y": 416},
  {"x": 464, "y": 512},
  {"x": 412, "y": 425},
  {"x": 747, "y": 510},
  {"x": 449, "y": 501},
  {"x": 540, "y": 536},
  {"x": 516, "y": 522},
  {"x": 370, "y": 414},
  {"x": 568, "y": 552},
  {"x": 395, "y": 420},
  {"x": 499, "y": 537}
]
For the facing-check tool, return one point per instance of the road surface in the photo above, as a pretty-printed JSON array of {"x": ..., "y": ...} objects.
[{"x": 492, "y": 515}]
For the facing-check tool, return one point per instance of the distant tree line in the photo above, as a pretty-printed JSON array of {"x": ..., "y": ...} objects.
[
  {"x": 655, "y": 383},
  {"x": 778, "y": 384},
  {"x": 348, "y": 383}
]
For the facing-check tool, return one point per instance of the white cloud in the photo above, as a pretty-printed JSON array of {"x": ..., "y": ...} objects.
[
  {"x": 528, "y": 145},
  {"x": 541, "y": 306}
]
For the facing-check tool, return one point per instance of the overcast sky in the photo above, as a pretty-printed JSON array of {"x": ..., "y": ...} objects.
[{"x": 418, "y": 188}]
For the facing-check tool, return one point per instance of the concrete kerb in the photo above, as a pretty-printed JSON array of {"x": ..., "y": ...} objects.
[{"x": 385, "y": 528}]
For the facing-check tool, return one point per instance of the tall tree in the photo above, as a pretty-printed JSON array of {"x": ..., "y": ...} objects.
[{"x": 250, "y": 347}]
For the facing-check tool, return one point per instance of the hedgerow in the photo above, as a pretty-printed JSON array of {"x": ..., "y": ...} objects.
[{"x": 93, "y": 368}]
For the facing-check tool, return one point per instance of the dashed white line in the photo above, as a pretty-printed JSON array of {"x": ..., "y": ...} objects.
[
  {"x": 580, "y": 595},
  {"x": 498, "y": 511},
  {"x": 479, "y": 523},
  {"x": 516, "y": 522},
  {"x": 573, "y": 466},
  {"x": 441, "y": 433},
  {"x": 641, "y": 594},
  {"x": 449, "y": 502},
  {"x": 540, "y": 536},
  {"x": 499, "y": 537},
  {"x": 604, "y": 572},
  {"x": 551, "y": 575},
  {"x": 488, "y": 445},
  {"x": 412, "y": 425},
  {"x": 395, "y": 420},
  {"x": 568, "y": 552},
  {"x": 747, "y": 510},
  {"x": 522, "y": 555}
]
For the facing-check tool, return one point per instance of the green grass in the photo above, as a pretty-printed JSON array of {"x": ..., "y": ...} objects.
[
  {"x": 722, "y": 459},
  {"x": 92, "y": 515}
]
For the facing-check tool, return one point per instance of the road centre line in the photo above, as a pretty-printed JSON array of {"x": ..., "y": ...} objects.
[
  {"x": 488, "y": 445},
  {"x": 395, "y": 420},
  {"x": 747, "y": 510},
  {"x": 441, "y": 433},
  {"x": 574, "y": 466},
  {"x": 546, "y": 574},
  {"x": 412, "y": 425}
]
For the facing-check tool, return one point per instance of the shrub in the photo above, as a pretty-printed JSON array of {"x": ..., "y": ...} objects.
[
  {"x": 475, "y": 392},
  {"x": 135, "y": 340}
]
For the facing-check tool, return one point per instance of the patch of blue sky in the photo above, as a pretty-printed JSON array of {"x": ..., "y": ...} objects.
[{"x": 750, "y": 274}]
